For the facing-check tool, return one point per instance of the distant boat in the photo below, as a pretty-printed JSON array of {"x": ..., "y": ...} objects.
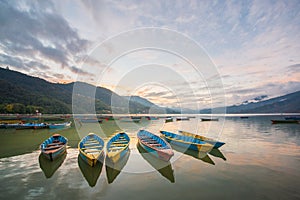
[
  {"x": 155, "y": 145},
  {"x": 91, "y": 174},
  {"x": 117, "y": 147},
  {"x": 285, "y": 121},
  {"x": 187, "y": 142},
  {"x": 130, "y": 119},
  {"x": 151, "y": 118},
  {"x": 182, "y": 119},
  {"x": 163, "y": 167},
  {"x": 244, "y": 117},
  {"x": 168, "y": 119},
  {"x": 292, "y": 118},
  {"x": 209, "y": 119},
  {"x": 211, "y": 141},
  {"x": 27, "y": 126},
  {"x": 91, "y": 149},
  {"x": 60, "y": 126},
  {"x": 90, "y": 120},
  {"x": 54, "y": 146}
]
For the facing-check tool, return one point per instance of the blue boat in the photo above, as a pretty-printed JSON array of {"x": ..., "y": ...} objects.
[
  {"x": 54, "y": 146},
  {"x": 117, "y": 147},
  {"x": 187, "y": 142},
  {"x": 60, "y": 126},
  {"x": 211, "y": 141},
  {"x": 91, "y": 149},
  {"x": 155, "y": 145}
]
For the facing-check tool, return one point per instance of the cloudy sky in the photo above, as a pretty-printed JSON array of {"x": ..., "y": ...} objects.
[{"x": 254, "y": 46}]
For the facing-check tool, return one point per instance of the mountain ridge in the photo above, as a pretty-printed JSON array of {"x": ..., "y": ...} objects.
[{"x": 22, "y": 93}]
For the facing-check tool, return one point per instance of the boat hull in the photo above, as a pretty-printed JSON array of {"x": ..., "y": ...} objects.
[
  {"x": 121, "y": 142},
  {"x": 164, "y": 153},
  {"x": 91, "y": 149},
  {"x": 54, "y": 147},
  {"x": 285, "y": 121},
  {"x": 187, "y": 142},
  {"x": 215, "y": 143}
]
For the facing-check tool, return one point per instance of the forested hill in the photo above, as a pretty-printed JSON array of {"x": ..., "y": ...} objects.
[{"x": 21, "y": 93}]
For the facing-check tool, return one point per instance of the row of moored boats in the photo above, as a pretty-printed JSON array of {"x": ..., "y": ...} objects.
[
  {"x": 20, "y": 126},
  {"x": 92, "y": 147}
]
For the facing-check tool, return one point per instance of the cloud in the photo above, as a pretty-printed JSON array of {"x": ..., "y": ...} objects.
[
  {"x": 79, "y": 71},
  {"x": 294, "y": 68},
  {"x": 33, "y": 31}
]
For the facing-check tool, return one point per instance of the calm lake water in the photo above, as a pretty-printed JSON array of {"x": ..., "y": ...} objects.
[{"x": 258, "y": 161}]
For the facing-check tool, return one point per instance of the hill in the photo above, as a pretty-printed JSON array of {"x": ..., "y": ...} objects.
[
  {"x": 284, "y": 104},
  {"x": 21, "y": 93}
]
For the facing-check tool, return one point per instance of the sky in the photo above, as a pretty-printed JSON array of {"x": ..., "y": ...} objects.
[{"x": 244, "y": 49}]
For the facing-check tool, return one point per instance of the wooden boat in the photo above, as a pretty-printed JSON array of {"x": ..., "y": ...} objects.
[
  {"x": 117, "y": 146},
  {"x": 182, "y": 119},
  {"x": 163, "y": 167},
  {"x": 216, "y": 144},
  {"x": 54, "y": 146},
  {"x": 187, "y": 142},
  {"x": 91, "y": 174},
  {"x": 244, "y": 117},
  {"x": 285, "y": 121},
  {"x": 91, "y": 149},
  {"x": 155, "y": 145},
  {"x": 168, "y": 119},
  {"x": 60, "y": 126},
  {"x": 113, "y": 169},
  {"x": 50, "y": 167},
  {"x": 209, "y": 119}
]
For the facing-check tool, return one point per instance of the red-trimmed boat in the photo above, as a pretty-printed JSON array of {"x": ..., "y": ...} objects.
[{"x": 155, "y": 145}]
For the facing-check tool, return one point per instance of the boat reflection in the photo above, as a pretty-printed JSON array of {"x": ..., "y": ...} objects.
[
  {"x": 217, "y": 153},
  {"x": 49, "y": 167},
  {"x": 196, "y": 154},
  {"x": 163, "y": 167},
  {"x": 91, "y": 174},
  {"x": 114, "y": 169}
]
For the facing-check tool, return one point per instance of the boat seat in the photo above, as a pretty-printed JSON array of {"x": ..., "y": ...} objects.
[
  {"x": 55, "y": 144},
  {"x": 91, "y": 144},
  {"x": 92, "y": 150},
  {"x": 118, "y": 145},
  {"x": 52, "y": 147},
  {"x": 156, "y": 144}
]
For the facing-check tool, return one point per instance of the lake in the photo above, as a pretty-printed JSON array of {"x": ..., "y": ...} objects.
[{"x": 260, "y": 160}]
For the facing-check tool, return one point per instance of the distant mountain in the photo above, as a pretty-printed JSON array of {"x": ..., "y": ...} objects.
[
  {"x": 21, "y": 93},
  {"x": 140, "y": 100},
  {"x": 284, "y": 104},
  {"x": 153, "y": 107}
]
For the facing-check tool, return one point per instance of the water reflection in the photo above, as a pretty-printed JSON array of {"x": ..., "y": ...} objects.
[
  {"x": 91, "y": 174},
  {"x": 163, "y": 167},
  {"x": 50, "y": 167},
  {"x": 196, "y": 154},
  {"x": 217, "y": 153},
  {"x": 114, "y": 169}
]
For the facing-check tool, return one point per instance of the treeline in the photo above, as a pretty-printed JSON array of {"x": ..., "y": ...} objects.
[{"x": 19, "y": 108}]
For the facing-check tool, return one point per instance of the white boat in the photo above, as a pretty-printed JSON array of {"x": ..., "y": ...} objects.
[{"x": 60, "y": 126}]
